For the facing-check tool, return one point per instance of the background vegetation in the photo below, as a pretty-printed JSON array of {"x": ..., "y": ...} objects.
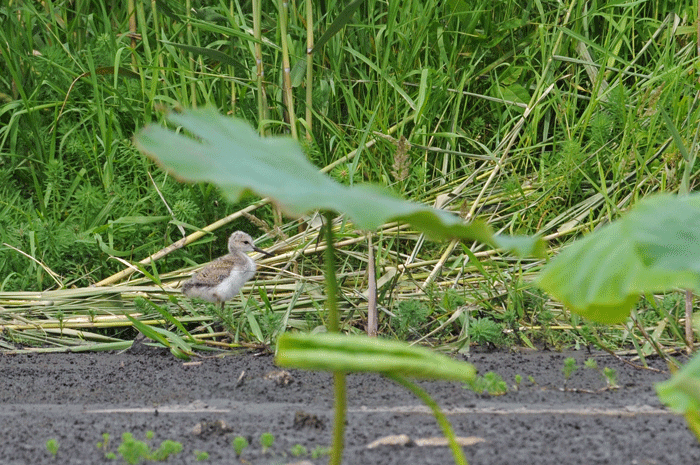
[{"x": 538, "y": 117}]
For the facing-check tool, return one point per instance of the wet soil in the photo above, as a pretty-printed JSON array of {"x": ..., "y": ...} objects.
[{"x": 75, "y": 398}]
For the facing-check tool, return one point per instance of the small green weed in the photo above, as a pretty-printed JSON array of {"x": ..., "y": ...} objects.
[
  {"x": 452, "y": 299},
  {"x": 104, "y": 444},
  {"x": 485, "y": 331},
  {"x": 226, "y": 317},
  {"x": 266, "y": 441},
  {"x": 410, "y": 315},
  {"x": 239, "y": 444},
  {"x": 52, "y": 446},
  {"x": 518, "y": 381},
  {"x": 319, "y": 452},
  {"x": 166, "y": 449},
  {"x": 568, "y": 369},
  {"x": 608, "y": 374},
  {"x": 201, "y": 456},
  {"x": 491, "y": 383},
  {"x": 134, "y": 451},
  {"x": 298, "y": 450}
]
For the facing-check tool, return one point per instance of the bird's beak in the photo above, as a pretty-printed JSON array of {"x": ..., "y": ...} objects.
[{"x": 264, "y": 252}]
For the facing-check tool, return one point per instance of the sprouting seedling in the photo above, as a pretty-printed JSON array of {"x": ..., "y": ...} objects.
[
  {"x": 568, "y": 369},
  {"x": 608, "y": 374},
  {"x": 134, "y": 451},
  {"x": 52, "y": 446},
  {"x": 104, "y": 444},
  {"x": 200, "y": 455},
  {"x": 491, "y": 382},
  {"x": 495, "y": 385},
  {"x": 266, "y": 441},
  {"x": 239, "y": 444},
  {"x": 60, "y": 316},
  {"x": 518, "y": 381},
  {"x": 104, "y": 447},
  {"x": 320, "y": 451},
  {"x": 298, "y": 450}
]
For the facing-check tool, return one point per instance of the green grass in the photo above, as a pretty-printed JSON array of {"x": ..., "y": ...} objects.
[{"x": 425, "y": 97}]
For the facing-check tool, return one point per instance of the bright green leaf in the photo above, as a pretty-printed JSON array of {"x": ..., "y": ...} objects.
[
  {"x": 208, "y": 52},
  {"x": 682, "y": 392},
  {"x": 655, "y": 248},
  {"x": 340, "y": 22},
  {"x": 148, "y": 331},
  {"x": 521, "y": 246},
  {"x": 170, "y": 319},
  {"x": 666, "y": 232},
  {"x": 298, "y": 71},
  {"x": 229, "y": 153},
  {"x": 517, "y": 94},
  {"x": 336, "y": 352}
]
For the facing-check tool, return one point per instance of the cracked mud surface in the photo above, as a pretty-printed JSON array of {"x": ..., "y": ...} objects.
[{"x": 75, "y": 398}]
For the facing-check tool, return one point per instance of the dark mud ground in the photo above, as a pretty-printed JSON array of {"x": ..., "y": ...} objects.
[{"x": 75, "y": 398}]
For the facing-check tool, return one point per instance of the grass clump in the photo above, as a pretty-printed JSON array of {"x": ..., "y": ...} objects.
[
  {"x": 298, "y": 450},
  {"x": 410, "y": 316},
  {"x": 485, "y": 331},
  {"x": 490, "y": 383},
  {"x": 319, "y": 452},
  {"x": 134, "y": 451}
]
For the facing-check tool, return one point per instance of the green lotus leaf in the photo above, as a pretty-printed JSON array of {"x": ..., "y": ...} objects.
[
  {"x": 655, "y": 248},
  {"x": 344, "y": 353},
  {"x": 666, "y": 232},
  {"x": 682, "y": 391},
  {"x": 226, "y": 151}
]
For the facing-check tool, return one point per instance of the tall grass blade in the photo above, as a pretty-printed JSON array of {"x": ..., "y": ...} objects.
[{"x": 343, "y": 18}]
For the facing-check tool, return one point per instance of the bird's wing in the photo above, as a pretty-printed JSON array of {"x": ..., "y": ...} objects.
[{"x": 214, "y": 273}]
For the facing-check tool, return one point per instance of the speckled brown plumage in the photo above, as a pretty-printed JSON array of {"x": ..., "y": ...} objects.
[{"x": 223, "y": 278}]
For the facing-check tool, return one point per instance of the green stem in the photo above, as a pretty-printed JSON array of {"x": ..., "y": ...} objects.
[
  {"x": 340, "y": 402},
  {"x": 309, "y": 65},
  {"x": 442, "y": 420},
  {"x": 286, "y": 67},
  {"x": 262, "y": 97},
  {"x": 331, "y": 282},
  {"x": 333, "y": 326}
]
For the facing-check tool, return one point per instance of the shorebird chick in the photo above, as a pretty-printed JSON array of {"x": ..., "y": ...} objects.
[{"x": 223, "y": 278}]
